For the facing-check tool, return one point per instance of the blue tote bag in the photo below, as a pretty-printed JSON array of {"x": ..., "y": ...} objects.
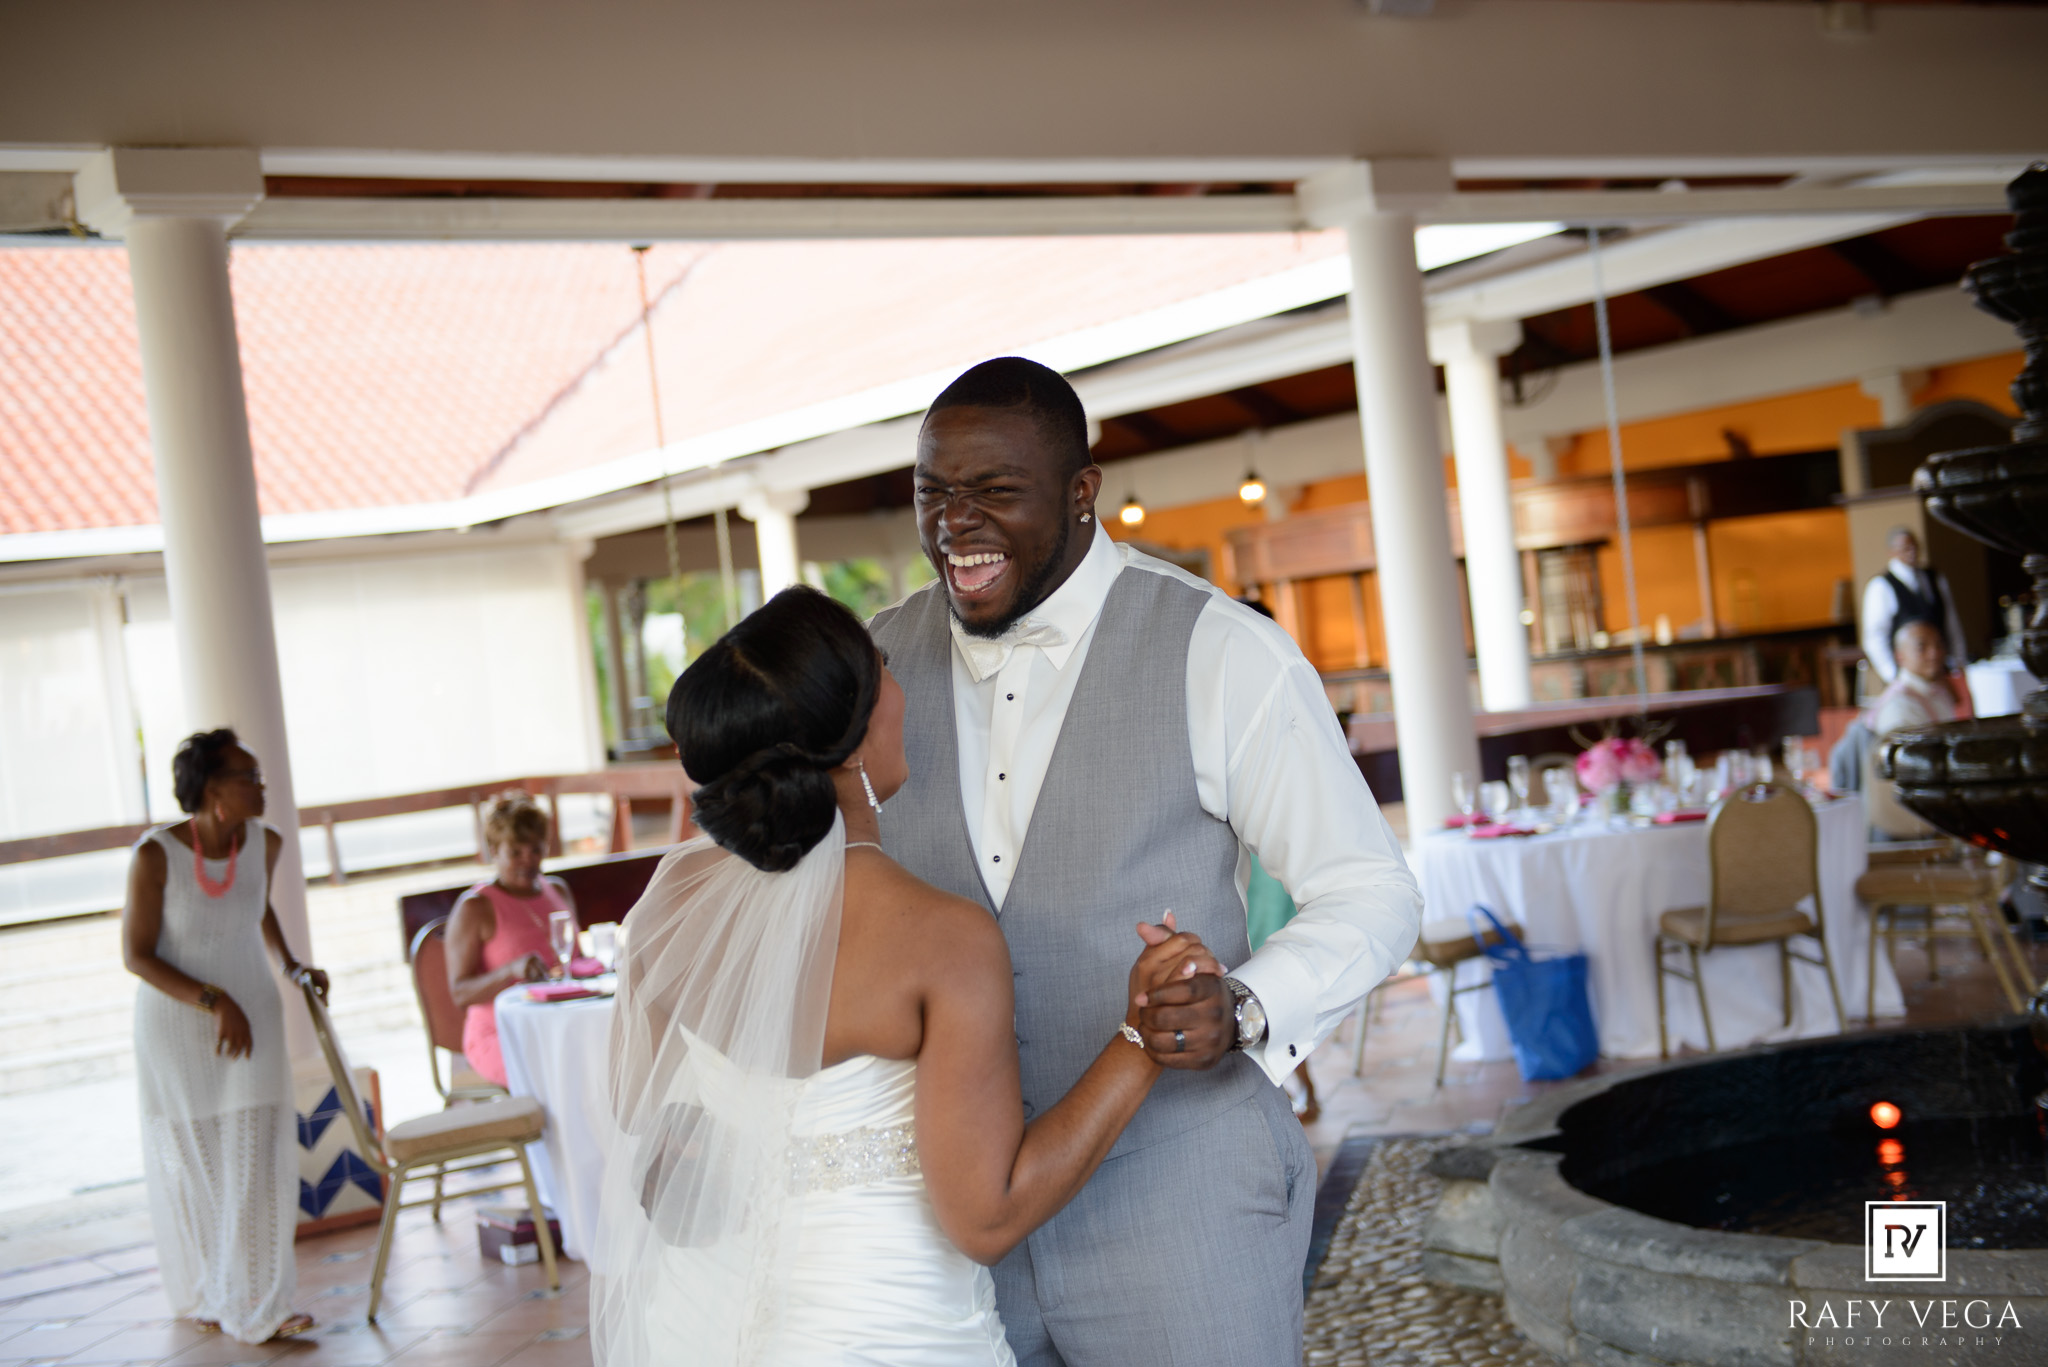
[{"x": 1550, "y": 1022}]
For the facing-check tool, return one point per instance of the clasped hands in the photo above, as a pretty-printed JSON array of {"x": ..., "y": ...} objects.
[{"x": 1177, "y": 990}]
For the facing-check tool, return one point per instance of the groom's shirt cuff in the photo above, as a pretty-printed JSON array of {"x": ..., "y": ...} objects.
[{"x": 1287, "y": 990}]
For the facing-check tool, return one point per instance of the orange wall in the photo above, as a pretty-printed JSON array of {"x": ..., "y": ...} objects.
[{"x": 1769, "y": 573}]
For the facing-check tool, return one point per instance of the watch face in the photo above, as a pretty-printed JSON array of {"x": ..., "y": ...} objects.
[{"x": 1251, "y": 1021}]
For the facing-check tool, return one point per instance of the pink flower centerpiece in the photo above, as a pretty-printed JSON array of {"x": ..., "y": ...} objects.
[{"x": 1616, "y": 762}]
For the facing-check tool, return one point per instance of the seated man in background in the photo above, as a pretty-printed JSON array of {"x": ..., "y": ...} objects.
[{"x": 1919, "y": 696}]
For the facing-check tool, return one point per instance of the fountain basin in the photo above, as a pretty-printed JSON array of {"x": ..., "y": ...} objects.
[{"x": 1709, "y": 1212}]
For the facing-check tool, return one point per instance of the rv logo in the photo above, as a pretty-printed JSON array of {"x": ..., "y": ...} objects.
[{"x": 1905, "y": 1241}]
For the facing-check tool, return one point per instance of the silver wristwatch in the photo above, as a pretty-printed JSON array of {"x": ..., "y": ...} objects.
[{"x": 1251, "y": 1017}]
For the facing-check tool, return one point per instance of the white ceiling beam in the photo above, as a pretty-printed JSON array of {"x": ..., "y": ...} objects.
[
  {"x": 1911, "y": 332},
  {"x": 673, "y": 220},
  {"x": 396, "y": 219}
]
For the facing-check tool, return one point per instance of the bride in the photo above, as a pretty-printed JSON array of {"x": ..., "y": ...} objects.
[{"x": 817, "y": 1139}]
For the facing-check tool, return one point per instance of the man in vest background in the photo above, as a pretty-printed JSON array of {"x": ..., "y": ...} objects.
[
  {"x": 1097, "y": 737},
  {"x": 1907, "y": 590}
]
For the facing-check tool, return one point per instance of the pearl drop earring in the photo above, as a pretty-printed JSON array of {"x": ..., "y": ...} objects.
[{"x": 868, "y": 787}]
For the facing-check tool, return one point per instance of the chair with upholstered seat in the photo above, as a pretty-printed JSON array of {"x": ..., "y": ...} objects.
[
  {"x": 484, "y": 1132},
  {"x": 1931, "y": 891},
  {"x": 1763, "y": 860}
]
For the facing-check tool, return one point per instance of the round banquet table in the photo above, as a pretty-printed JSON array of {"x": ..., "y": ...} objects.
[
  {"x": 1600, "y": 889},
  {"x": 558, "y": 1053}
]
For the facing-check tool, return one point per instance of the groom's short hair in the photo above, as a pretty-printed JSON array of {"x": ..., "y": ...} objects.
[{"x": 1040, "y": 391}]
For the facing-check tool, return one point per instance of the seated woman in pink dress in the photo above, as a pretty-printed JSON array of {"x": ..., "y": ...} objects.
[{"x": 498, "y": 935}]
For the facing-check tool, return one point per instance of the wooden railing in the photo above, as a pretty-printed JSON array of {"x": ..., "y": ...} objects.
[{"x": 665, "y": 783}]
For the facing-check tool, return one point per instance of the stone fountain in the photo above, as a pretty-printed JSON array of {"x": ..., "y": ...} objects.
[{"x": 1986, "y": 780}]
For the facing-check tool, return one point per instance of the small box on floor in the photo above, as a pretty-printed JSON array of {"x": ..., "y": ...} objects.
[{"x": 507, "y": 1233}]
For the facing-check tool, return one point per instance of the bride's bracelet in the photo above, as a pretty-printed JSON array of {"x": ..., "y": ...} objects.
[{"x": 1132, "y": 1035}]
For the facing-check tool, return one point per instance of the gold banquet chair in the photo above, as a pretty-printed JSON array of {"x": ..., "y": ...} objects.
[
  {"x": 1763, "y": 858},
  {"x": 500, "y": 1128},
  {"x": 1924, "y": 892}
]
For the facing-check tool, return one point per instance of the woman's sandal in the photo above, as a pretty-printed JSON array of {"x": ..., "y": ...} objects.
[{"x": 298, "y": 1324}]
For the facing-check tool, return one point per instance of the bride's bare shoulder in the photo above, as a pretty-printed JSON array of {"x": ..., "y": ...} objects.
[{"x": 929, "y": 921}]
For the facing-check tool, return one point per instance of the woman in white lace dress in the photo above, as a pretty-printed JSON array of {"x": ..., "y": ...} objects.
[{"x": 218, "y": 1142}]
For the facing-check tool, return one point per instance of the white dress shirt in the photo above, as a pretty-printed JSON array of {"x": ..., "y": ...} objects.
[
  {"x": 1881, "y": 611},
  {"x": 1269, "y": 759}
]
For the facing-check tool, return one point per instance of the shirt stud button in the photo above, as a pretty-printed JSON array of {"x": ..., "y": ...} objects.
[
  {"x": 997, "y": 858},
  {"x": 1001, "y": 777},
  {"x": 1012, "y": 697},
  {"x": 1290, "y": 1051}
]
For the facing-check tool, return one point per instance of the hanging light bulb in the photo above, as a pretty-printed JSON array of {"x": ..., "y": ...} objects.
[
  {"x": 1253, "y": 491},
  {"x": 1133, "y": 512}
]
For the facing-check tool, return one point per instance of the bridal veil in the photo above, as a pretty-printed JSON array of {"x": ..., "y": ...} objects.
[{"x": 724, "y": 985}]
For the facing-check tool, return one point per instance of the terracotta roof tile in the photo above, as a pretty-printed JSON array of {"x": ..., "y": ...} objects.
[{"x": 385, "y": 375}]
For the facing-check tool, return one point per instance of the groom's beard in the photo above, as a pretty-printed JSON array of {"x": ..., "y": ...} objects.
[{"x": 1036, "y": 589}]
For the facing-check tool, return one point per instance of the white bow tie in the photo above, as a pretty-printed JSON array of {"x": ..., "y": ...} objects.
[{"x": 986, "y": 656}]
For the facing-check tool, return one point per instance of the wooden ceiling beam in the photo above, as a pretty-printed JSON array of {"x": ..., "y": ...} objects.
[
  {"x": 1888, "y": 273},
  {"x": 1698, "y": 314}
]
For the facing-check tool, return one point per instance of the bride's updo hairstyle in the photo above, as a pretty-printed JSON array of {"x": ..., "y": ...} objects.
[{"x": 763, "y": 717}]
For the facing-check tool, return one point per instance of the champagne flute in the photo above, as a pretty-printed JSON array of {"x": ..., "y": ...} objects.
[
  {"x": 1464, "y": 794},
  {"x": 562, "y": 939},
  {"x": 1518, "y": 779}
]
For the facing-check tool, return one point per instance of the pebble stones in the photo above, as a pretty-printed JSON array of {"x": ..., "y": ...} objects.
[{"x": 1370, "y": 1304}]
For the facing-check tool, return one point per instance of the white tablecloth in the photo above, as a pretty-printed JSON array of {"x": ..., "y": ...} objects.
[
  {"x": 1601, "y": 890},
  {"x": 1996, "y": 686},
  {"x": 558, "y": 1053}
]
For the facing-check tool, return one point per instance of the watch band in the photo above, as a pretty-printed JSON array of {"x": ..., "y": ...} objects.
[{"x": 209, "y": 998}]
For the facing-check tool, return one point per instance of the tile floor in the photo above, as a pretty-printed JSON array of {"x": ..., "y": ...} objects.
[
  {"x": 444, "y": 1306},
  {"x": 447, "y": 1307}
]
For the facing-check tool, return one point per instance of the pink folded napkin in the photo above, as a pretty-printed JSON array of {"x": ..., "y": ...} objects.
[
  {"x": 557, "y": 992},
  {"x": 585, "y": 968},
  {"x": 1458, "y": 819},
  {"x": 1496, "y": 832},
  {"x": 1672, "y": 818}
]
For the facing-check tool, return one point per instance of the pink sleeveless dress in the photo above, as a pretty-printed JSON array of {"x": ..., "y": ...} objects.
[{"x": 522, "y": 930}]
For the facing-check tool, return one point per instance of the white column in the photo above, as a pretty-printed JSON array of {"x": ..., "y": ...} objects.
[
  {"x": 773, "y": 513},
  {"x": 1433, "y": 725},
  {"x": 1470, "y": 355},
  {"x": 174, "y": 208}
]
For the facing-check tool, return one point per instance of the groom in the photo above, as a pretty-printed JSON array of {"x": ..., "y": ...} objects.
[{"x": 1095, "y": 738}]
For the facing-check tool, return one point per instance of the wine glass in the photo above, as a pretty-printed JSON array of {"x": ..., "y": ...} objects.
[
  {"x": 1518, "y": 780},
  {"x": 562, "y": 939},
  {"x": 1495, "y": 800},
  {"x": 604, "y": 944},
  {"x": 1463, "y": 796},
  {"x": 1563, "y": 791}
]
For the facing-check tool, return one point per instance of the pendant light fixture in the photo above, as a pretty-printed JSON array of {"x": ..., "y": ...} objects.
[
  {"x": 1132, "y": 514},
  {"x": 1252, "y": 492}
]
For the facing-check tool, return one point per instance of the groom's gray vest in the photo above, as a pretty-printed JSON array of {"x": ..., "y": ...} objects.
[{"x": 1118, "y": 836}]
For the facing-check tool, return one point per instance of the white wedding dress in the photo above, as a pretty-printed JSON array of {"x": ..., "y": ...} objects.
[
  {"x": 759, "y": 1208},
  {"x": 872, "y": 1279}
]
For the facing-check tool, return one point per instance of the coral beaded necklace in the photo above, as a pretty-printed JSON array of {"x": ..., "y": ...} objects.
[{"x": 206, "y": 884}]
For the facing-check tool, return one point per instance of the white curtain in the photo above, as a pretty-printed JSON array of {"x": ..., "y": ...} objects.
[{"x": 68, "y": 756}]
